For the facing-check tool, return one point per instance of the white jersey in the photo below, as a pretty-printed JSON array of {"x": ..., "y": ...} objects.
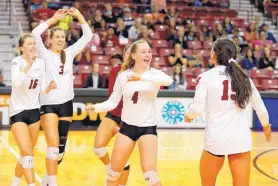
[
  {"x": 227, "y": 130},
  {"x": 55, "y": 70},
  {"x": 138, "y": 97},
  {"x": 26, "y": 88}
]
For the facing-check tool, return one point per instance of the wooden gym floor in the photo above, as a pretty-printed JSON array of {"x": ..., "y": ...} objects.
[{"x": 178, "y": 160}]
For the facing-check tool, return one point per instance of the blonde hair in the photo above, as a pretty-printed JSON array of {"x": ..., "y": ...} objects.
[
  {"x": 129, "y": 62},
  {"x": 22, "y": 39},
  {"x": 63, "y": 54}
]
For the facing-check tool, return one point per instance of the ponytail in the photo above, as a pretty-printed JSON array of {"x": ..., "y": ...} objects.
[
  {"x": 63, "y": 57},
  {"x": 240, "y": 83},
  {"x": 226, "y": 53}
]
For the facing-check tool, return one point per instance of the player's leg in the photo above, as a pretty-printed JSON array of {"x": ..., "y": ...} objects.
[
  {"x": 65, "y": 119},
  {"x": 49, "y": 123},
  {"x": 210, "y": 165},
  {"x": 63, "y": 129},
  {"x": 124, "y": 176},
  {"x": 123, "y": 147},
  {"x": 148, "y": 145},
  {"x": 19, "y": 171},
  {"x": 103, "y": 135},
  {"x": 22, "y": 136},
  {"x": 240, "y": 168}
]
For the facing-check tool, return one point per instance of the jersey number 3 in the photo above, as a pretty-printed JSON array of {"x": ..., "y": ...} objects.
[
  {"x": 225, "y": 95},
  {"x": 135, "y": 97},
  {"x": 33, "y": 84},
  {"x": 61, "y": 72}
]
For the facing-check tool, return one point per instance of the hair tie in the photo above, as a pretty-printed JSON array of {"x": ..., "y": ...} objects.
[{"x": 231, "y": 60}]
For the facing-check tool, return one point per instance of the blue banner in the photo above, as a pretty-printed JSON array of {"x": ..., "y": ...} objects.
[{"x": 272, "y": 108}]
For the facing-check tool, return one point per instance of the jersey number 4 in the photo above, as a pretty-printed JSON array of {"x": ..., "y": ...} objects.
[
  {"x": 135, "y": 97},
  {"x": 225, "y": 95},
  {"x": 33, "y": 84}
]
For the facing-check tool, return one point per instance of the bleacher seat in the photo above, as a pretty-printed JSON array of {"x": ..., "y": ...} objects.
[
  {"x": 270, "y": 84},
  {"x": 77, "y": 81},
  {"x": 101, "y": 59}
]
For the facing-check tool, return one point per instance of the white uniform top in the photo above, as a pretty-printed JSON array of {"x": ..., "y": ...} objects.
[
  {"x": 55, "y": 70},
  {"x": 138, "y": 97},
  {"x": 227, "y": 130},
  {"x": 26, "y": 88}
]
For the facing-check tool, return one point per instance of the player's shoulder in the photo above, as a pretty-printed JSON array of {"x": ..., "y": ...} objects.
[
  {"x": 213, "y": 72},
  {"x": 17, "y": 60},
  {"x": 116, "y": 69}
]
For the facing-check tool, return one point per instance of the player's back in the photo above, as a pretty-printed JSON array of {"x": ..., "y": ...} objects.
[{"x": 225, "y": 120}]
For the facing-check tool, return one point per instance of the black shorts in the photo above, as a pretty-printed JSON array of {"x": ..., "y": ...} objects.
[
  {"x": 134, "y": 132},
  {"x": 117, "y": 119},
  {"x": 27, "y": 116},
  {"x": 219, "y": 156},
  {"x": 62, "y": 110}
]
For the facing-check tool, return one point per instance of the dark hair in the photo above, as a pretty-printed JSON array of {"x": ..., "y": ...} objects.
[
  {"x": 181, "y": 74},
  {"x": 63, "y": 54},
  {"x": 22, "y": 39},
  {"x": 225, "y": 49}
]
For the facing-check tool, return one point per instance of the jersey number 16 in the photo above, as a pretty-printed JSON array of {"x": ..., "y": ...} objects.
[{"x": 33, "y": 84}]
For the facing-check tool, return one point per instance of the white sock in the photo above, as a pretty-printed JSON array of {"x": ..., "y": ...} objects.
[
  {"x": 52, "y": 180},
  {"x": 16, "y": 181},
  {"x": 33, "y": 184},
  {"x": 108, "y": 166}
]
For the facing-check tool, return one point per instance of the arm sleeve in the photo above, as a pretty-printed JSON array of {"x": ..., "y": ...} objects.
[
  {"x": 82, "y": 42},
  {"x": 113, "y": 100},
  {"x": 258, "y": 105},
  {"x": 17, "y": 75},
  {"x": 37, "y": 32},
  {"x": 199, "y": 101},
  {"x": 159, "y": 78}
]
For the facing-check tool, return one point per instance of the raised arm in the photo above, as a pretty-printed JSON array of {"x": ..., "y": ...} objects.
[
  {"x": 87, "y": 33},
  {"x": 41, "y": 28}
]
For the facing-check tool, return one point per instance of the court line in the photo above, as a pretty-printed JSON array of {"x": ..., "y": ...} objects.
[
  {"x": 259, "y": 169},
  {"x": 11, "y": 149},
  {"x": 160, "y": 148}
]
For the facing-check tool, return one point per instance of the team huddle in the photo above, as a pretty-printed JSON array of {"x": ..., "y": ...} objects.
[{"x": 42, "y": 95}]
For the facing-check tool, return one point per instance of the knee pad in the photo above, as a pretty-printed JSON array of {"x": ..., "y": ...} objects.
[
  {"x": 100, "y": 152},
  {"x": 20, "y": 160},
  {"x": 127, "y": 166},
  {"x": 52, "y": 153},
  {"x": 63, "y": 129},
  {"x": 113, "y": 176},
  {"x": 151, "y": 178},
  {"x": 27, "y": 162}
]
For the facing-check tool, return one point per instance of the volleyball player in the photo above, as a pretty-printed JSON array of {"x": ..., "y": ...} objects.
[
  {"x": 110, "y": 122},
  {"x": 225, "y": 91},
  {"x": 27, "y": 75},
  {"x": 57, "y": 106},
  {"x": 139, "y": 85}
]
